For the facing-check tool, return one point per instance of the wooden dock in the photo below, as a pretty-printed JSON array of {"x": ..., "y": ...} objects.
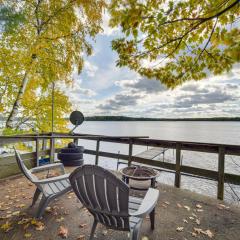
[{"x": 149, "y": 154}]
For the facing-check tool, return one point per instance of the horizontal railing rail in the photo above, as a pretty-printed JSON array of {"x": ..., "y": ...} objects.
[{"x": 218, "y": 175}]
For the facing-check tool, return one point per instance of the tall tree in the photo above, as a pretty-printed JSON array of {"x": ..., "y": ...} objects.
[
  {"x": 177, "y": 41},
  {"x": 42, "y": 42}
]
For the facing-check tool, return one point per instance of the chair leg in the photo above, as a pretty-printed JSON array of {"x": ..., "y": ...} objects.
[
  {"x": 42, "y": 206},
  {"x": 35, "y": 196},
  {"x": 152, "y": 218},
  {"x": 135, "y": 232},
  {"x": 93, "y": 229}
]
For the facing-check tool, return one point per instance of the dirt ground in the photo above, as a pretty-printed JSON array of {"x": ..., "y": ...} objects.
[{"x": 180, "y": 215}]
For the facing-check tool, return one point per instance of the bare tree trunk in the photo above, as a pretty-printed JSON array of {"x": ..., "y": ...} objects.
[{"x": 14, "y": 111}]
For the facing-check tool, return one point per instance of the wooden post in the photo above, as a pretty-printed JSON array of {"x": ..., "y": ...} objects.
[
  {"x": 37, "y": 152},
  {"x": 178, "y": 166},
  {"x": 97, "y": 152},
  {"x": 52, "y": 149},
  {"x": 221, "y": 163},
  {"x": 130, "y": 152},
  {"x": 75, "y": 140}
]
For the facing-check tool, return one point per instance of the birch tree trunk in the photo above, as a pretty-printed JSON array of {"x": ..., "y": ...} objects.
[{"x": 14, "y": 110}]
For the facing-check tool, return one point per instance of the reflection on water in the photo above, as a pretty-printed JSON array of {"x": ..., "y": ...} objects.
[{"x": 207, "y": 132}]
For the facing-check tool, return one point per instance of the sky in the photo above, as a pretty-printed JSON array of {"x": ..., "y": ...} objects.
[{"x": 104, "y": 89}]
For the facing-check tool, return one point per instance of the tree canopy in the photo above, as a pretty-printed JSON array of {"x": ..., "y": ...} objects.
[
  {"x": 177, "y": 41},
  {"x": 41, "y": 43}
]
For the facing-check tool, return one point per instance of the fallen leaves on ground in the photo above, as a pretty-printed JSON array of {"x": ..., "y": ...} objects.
[
  {"x": 197, "y": 221},
  {"x": 63, "y": 232},
  {"x": 198, "y": 206},
  {"x": 222, "y": 206},
  {"x": 104, "y": 232},
  {"x": 27, "y": 235},
  {"x": 6, "y": 227},
  {"x": 185, "y": 221},
  {"x": 187, "y": 207},
  {"x": 179, "y": 229},
  {"x": 179, "y": 205},
  {"x": 81, "y": 237},
  {"x": 60, "y": 219},
  {"x": 82, "y": 225},
  {"x": 207, "y": 232}
]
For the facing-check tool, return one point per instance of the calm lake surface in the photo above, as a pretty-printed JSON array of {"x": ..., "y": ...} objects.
[{"x": 207, "y": 132}]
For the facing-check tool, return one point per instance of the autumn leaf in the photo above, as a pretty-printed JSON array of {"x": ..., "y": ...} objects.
[
  {"x": 179, "y": 229},
  {"x": 27, "y": 235},
  {"x": 82, "y": 225},
  {"x": 63, "y": 232},
  {"x": 187, "y": 207},
  {"x": 197, "y": 221},
  {"x": 179, "y": 205},
  {"x": 6, "y": 227},
  {"x": 81, "y": 237},
  {"x": 209, "y": 233},
  {"x": 60, "y": 219},
  {"x": 104, "y": 232},
  {"x": 222, "y": 206}
]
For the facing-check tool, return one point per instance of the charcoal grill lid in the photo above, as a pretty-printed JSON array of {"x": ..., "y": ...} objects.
[{"x": 76, "y": 118}]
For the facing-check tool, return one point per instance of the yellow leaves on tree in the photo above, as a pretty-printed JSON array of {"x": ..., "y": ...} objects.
[
  {"x": 177, "y": 41},
  {"x": 42, "y": 42}
]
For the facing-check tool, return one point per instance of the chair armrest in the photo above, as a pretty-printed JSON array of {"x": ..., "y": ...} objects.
[
  {"x": 148, "y": 204},
  {"x": 53, "y": 179},
  {"x": 48, "y": 167}
]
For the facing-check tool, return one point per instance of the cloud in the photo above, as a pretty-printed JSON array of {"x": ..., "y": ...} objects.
[
  {"x": 107, "y": 30},
  {"x": 90, "y": 68},
  {"x": 217, "y": 96},
  {"x": 142, "y": 85},
  {"x": 119, "y": 101}
]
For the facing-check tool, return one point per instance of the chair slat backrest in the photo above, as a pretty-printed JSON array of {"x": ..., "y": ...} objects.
[
  {"x": 23, "y": 168},
  {"x": 103, "y": 194}
]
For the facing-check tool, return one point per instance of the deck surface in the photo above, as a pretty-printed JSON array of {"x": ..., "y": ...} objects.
[{"x": 180, "y": 215}]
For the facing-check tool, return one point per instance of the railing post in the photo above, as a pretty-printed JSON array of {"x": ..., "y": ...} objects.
[
  {"x": 97, "y": 152},
  {"x": 75, "y": 140},
  {"x": 178, "y": 166},
  {"x": 130, "y": 150},
  {"x": 37, "y": 152},
  {"x": 221, "y": 166},
  {"x": 52, "y": 149}
]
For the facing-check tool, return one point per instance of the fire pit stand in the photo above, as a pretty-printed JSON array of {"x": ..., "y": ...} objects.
[{"x": 139, "y": 173}]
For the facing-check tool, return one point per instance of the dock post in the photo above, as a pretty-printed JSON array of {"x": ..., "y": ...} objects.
[
  {"x": 52, "y": 148},
  {"x": 97, "y": 152},
  {"x": 130, "y": 152},
  {"x": 221, "y": 166},
  {"x": 37, "y": 151},
  {"x": 178, "y": 166}
]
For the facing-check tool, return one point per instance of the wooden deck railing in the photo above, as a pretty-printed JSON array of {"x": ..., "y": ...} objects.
[{"x": 218, "y": 175}]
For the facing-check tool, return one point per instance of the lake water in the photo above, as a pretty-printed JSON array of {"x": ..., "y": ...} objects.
[{"x": 207, "y": 132}]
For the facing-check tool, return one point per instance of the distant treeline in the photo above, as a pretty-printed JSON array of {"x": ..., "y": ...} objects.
[{"x": 123, "y": 118}]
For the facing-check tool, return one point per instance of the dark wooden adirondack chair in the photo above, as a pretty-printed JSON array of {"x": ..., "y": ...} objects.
[
  {"x": 107, "y": 199},
  {"x": 50, "y": 188}
]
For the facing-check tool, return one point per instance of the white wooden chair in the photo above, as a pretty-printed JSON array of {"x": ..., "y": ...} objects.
[
  {"x": 49, "y": 188},
  {"x": 107, "y": 199}
]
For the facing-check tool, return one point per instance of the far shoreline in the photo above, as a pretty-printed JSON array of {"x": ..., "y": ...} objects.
[{"x": 131, "y": 119}]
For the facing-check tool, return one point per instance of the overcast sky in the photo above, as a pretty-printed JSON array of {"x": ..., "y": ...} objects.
[{"x": 104, "y": 89}]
